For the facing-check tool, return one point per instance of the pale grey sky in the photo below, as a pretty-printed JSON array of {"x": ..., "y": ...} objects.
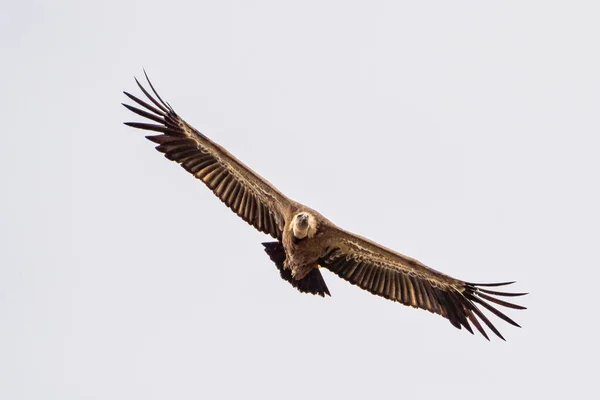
[{"x": 464, "y": 134}]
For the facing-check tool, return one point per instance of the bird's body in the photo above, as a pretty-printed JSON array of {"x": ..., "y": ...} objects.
[
  {"x": 306, "y": 240},
  {"x": 303, "y": 240}
]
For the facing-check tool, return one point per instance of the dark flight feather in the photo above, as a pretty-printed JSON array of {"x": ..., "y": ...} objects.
[{"x": 311, "y": 283}]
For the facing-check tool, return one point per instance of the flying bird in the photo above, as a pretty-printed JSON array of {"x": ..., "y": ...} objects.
[{"x": 306, "y": 241}]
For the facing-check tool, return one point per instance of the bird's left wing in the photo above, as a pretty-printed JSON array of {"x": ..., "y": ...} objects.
[
  {"x": 245, "y": 192},
  {"x": 397, "y": 277}
]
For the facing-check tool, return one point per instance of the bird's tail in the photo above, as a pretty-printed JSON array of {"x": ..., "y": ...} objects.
[{"x": 311, "y": 283}]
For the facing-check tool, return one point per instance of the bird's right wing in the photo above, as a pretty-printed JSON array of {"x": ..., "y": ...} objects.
[{"x": 245, "y": 192}]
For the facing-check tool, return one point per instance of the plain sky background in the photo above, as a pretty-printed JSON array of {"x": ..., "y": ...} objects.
[{"x": 464, "y": 134}]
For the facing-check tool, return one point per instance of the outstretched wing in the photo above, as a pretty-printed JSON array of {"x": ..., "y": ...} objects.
[
  {"x": 400, "y": 278},
  {"x": 250, "y": 196}
]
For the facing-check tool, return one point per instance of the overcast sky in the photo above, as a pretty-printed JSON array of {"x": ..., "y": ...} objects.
[{"x": 464, "y": 134}]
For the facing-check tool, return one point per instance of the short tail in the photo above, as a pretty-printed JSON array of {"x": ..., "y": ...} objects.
[{"x": 311, "y": 283}]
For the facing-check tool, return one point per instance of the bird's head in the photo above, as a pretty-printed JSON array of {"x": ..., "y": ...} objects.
[{"x": 303, "y": 225}]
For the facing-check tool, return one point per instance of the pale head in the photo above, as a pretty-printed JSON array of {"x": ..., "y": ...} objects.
[{"x": 304, "y": 225}]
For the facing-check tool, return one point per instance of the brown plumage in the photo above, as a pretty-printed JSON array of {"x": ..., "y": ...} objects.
[{"x": 305, "y": 240}]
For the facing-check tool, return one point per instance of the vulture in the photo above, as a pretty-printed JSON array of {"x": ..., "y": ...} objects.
[{"x": 305, "y": 241}]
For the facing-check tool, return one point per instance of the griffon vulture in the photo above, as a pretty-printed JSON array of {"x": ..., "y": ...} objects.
[{"x": 305, "y": 240}]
